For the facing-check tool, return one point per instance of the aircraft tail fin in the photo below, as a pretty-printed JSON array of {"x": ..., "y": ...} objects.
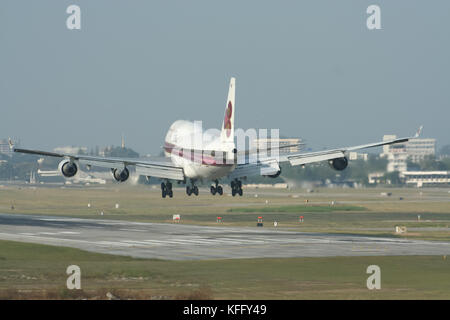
[
  {"x": 419, "y": 132},
  {"x": 227, "y": 133}
]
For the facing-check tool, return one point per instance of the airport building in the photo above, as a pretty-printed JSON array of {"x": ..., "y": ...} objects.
[
  {"x": 4, "y": 147},
  {"x": 421, "y": 178},
  {"x": 418, "y": 149},
  {"x": 71, "y": 150},
  {"x": 418, "y": 178},
  {"x": 414, "y": 150},
  {"x": 358, "y": 156},
  {"x": 376, "y": 177}
]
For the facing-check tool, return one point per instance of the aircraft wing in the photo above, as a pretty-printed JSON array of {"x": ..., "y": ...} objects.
[
  {"x": 270, "y": 166},
  {"x": 311, "y": 157},
  {"x": 157, "y": 169}
]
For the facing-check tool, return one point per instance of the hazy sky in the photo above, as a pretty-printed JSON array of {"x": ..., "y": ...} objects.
[{"x": 310, "y": 68}]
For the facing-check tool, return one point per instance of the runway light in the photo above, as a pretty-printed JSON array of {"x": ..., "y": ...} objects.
[
  {"x": 300, "y": 219},
  {"x": 117, "y": 206},
  {"x": 260, "y": 222},
  {"x": 219, "y": 219}
]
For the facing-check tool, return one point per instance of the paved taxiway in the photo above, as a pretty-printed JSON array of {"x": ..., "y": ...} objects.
[{"x": 190, "y": 242}]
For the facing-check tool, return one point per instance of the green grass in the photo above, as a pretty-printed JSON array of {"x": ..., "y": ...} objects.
[
  {"x": 357, "y": 211},
  {"x": 38, "y": 271},
  {"x": 300, "y": 209}
]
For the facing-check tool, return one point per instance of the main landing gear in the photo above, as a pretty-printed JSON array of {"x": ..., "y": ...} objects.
[
  {"x": 216, "y": 189},
  {"x": 193, "y": 189},
  {"x": 236, "y": 187},
  {"x": 166, "y": 189}
]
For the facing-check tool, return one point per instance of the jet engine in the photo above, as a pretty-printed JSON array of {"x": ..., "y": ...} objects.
[
  {"x": 68, "y": 168},
  {"x": 339, "y": 163},
  {"x": 120, "y": 175}
]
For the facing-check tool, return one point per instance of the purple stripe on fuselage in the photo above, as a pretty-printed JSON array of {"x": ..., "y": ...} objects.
[{"x": 193, "y": 155}]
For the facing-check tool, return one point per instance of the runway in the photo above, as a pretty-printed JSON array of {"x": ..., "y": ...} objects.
[{"x": 190, "y": 242}]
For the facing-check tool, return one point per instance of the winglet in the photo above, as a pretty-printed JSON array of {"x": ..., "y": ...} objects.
[
  {"x": 11, "y": 144},
  {"x": 419, "y": 132}
]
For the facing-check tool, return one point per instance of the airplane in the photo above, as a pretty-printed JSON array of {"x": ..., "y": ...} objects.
[{"x": 210, "y": 158}]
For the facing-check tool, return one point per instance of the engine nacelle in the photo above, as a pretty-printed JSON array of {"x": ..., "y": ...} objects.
[
  {"x": 67, "y": 168},
  {"x": 274, "y": 175},
  {"x": 121, "y": 175},
  {"x": 339, "y": 164}
]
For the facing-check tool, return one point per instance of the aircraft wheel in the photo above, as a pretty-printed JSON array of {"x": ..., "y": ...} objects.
[
  {"x": 213, "y": 190},
  {"x": 163, "y": 190},
  {"x": 195, "y": 190},
  {"x": 188, "y": 191},
  {"x": 220, "y": 190},
  {"x": 170, "y": 193},
  {"x": 233, "y": 192},
  {"x": 240, "y": 192}
]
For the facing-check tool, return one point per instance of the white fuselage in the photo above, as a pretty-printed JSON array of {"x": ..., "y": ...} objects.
[{"x": 201, "y": 154}]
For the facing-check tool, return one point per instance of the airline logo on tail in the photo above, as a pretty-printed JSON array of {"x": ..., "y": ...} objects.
[
  {"x": 227, "y": 120},
  {"x": 227, "y": 135}
]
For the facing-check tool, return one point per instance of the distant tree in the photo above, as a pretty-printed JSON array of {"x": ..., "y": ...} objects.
[
  {"x": 375, "y": 163},
  {"x": 392, "y": 177},
  {"x": 49, "y": 163},
  {"x": 445, "y": 150},
  {"x": 429, "y": 163},
  {"x": 446, "y": 163},
  {"x": 6, "y": 170},
  {"x": 121, "y": 152},
  {"x": 412, "y": 166}
]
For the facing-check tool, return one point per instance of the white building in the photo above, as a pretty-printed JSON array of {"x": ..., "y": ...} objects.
[
  {"x": 376, "y": 177},
  {"x": 418, "y": 149},
  {"x": 4, "y": 147},
  {"x": 414, "y": 150},
  {"x": 395, "y": 154},
  {"x": 358, "y": 156},
  {"x": 421, "y": 178},
  {"x": 71, "y": 150}
]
